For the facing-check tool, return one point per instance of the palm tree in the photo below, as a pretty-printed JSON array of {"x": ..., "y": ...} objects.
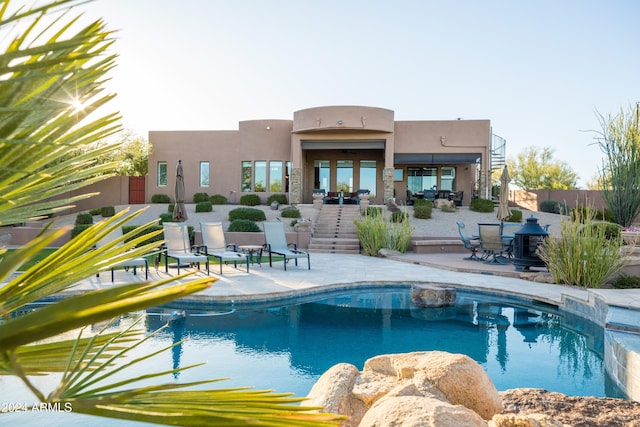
[{"x": 49, "y": 64}]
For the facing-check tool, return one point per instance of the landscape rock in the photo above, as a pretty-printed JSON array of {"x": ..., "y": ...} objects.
[
  {"x": 386, "y": 252},
  {"x": 439, "y": 203},
  {"x": 433, "y": 295}
]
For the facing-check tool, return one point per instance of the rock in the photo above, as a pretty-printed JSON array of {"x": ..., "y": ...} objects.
[
  {"x": 433, "y": 295},
  {"x": 531, "y": 420},
  {"x": 575, "y": 411},
  {"x": 386, "y": 252},
  {"x": 275, "y": 205},
  {"x": 439, "y": 203},
  {"x": 392, "y": 206},
  {"x": 537, "y": 276}
]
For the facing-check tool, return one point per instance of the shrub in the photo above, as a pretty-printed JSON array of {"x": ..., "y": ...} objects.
[
  {"x": 610, "y": 230},
  {"x": 373, "y": 211},
  {"x": 588, "y": 211},
  {"x": 204, "y": 206},
  {"x": 79, "y": 228},
  {"x": 448, "y": 208},
  {"x": 129, "y": 228},
  {"x": 399, "y": 216},
  {"x": 250, "y": 200},
  {"x": 166, "y": 217},
  {"x": 423, "y": 212},
  {"x": 481, "y": 205},
  {"x": 376, "y": 232},
  {"x": 422, "y": 202},
  {"x": 84, "y": 218},
  {"x": 218, "y": 199},
  {"x": 626, "y": 282},
  {"x": 244, "y": 225},
  {"x": 160, "y": 198},
  {"x": 171, "y": 207},
  {"x": 280, "y": 198},
  {"x": 107, "y": 211},
  {"x": 553, "y": 206},
  {"x": 96, "y": 211},
  {"x": 247, "y": 213},
  {"x": 290, "y": 213},
  {"x": 516, "y": 216},
  {"x": 200, "y": 197},
  {"x": 582, "y": 255}
]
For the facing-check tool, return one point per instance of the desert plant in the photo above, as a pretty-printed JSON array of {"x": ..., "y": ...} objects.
[
  {"x": 84, "y": 218},
  {"x": 399, "y": 216},
  {"x": 625, "y": 281},
  {"x": 583, "y": 255},
  {"x": 160, "y": 198},
  {"x": 48, "y": 151},
  {"x": 481, "y": 205},
  {"x": 423, "y": 212},
  {"x": 516, "y": 216},
  {"x": 290, "y": 213},
  {"x": 247, "y": 213},
  {"x": 107, "y": 211},
  {"x": 204, "y": 206},
  {"x": 250, "y": 200},
  {"x": 244, "y": 225},
  {"x": 422, "y": 202},
  {"x": 280, "y": 198},
  {"x": 376, "y": 232},
  {"x": 554, "y": 206},
  {"x": 200, "y": 197},
  {"x": 610, "y": 230},
  {"x": 373, "y": 211},
  {"x": 218, "y": 199}
]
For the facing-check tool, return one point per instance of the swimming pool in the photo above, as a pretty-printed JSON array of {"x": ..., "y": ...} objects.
[{"x": 286, "y": 347}]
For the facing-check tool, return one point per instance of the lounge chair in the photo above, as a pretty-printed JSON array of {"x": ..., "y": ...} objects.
[
  {"x": 276, "y": 243},
  {"x": 491, "y": 243},
  {"x": 178, "y": 246},
  {"x": 214, "y": 244},
  {"x": 472, "y": 244},
  {"x": 130, "y": 263}
]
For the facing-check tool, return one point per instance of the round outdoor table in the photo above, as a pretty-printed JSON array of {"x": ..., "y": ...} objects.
[{"x": 252, "y": 250}]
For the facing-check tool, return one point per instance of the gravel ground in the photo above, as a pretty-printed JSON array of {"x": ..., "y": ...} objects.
[{"x": 441, "y": 224}]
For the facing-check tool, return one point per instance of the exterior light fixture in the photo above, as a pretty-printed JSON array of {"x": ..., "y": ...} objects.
[
  {"x": 340, "y": 122},
  {"x": 268, "y": 127}
]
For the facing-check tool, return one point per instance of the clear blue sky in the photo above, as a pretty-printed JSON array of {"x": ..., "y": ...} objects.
[{"x": 537, "y": 69}]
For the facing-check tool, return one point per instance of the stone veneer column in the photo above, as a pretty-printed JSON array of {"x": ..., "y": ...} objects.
[
  {"x": 295, "y": 186},
  {"x": 387, "y": 182}
]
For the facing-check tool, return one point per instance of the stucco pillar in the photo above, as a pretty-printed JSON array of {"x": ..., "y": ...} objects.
[
  {"x": 295, "y": 186},
  {"x": 387, "y": 182}
]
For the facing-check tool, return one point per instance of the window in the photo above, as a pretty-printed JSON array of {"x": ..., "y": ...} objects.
[
  {"x": 368, "y": 176},
  {"x": 162, "y": 174},
  {"x": 321, "y": 174},
  {"x": 286, "y": 177},
  {"x": 204, "y": 174},
  {"x": 246, "y": 177},
  {"x": 419, "y": 179},
  {"x": 275, "y": 176},
  {"x": 448, "y": 178},
  {"x": 397, "y": 175},
  {"x": 260, "y": 178},
  {"x": 344, "y": 176}
]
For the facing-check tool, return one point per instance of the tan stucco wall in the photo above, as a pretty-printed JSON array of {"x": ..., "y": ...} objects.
[{"x": 343, "y": 117}]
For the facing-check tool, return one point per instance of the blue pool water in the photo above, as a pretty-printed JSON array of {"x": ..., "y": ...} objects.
[{"x": 287, "y": 347}]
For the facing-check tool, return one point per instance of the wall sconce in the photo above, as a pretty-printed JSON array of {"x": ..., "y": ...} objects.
[
  {"x": 268, "y": 127},
  {"x": 340, "y": 122}
]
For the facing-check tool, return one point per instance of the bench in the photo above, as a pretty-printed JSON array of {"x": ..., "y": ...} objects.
[{"x": 429, "y": 246}]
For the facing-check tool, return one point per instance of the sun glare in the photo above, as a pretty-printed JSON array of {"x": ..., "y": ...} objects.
[{"x": 77, "y": 106}]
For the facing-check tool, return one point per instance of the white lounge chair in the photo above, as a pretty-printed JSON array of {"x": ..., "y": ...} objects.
[
  {"x": 178, "y": 246},
  {"x": 214, "y": 244},
  {"x": 130, "y": 263},
  {"x": 276, "y": 243}
]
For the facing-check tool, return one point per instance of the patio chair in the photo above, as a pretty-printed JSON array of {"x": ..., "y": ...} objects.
[
  {"x": 214, "y": 244},
  {"x": 456, "y": 197},
  {"x": 178, "y": 246},
  {"x": 130, "y": 263},
  {"x": 276, "y": 243},
  {"x": 430, "y": 195},
  {"x": 472, "y": 244},
  {"x": 491, "y": 243}
]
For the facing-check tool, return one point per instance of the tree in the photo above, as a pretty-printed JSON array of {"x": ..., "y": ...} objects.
[
  {"x": 619, "y": 180},
  {"x": 535, "y": 169},
  {"x": 46, "y": 58}
]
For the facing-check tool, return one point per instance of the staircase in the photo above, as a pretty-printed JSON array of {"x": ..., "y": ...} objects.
[{"x": 334, "y": 231}]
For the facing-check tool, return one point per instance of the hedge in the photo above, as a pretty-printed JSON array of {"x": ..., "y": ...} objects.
[
  {"x": 218, "y": 199},
  {"x": 200, "y": 197},
  {"x": 79, "y": 228},
  {"x": 290, "y": 213},
  {"x": 84, "y": 218},
  {"x": 516, "y": 216},
  {"x": 204, "y": 206},
  {"x": 107, "y": 211},
  {"x": 244, "y": 225},
  {"x": 481, "y": 205},
  {"x": 160, "y": 198},
  {"x": 250, "y": 200},
  {"x": 423, "y": 212},
  {"x": 280, "y": 198},
  {"x": 247, "y": 213}
]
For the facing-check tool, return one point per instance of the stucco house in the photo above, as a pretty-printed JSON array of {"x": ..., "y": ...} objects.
[{"x": 334, "y": 148}]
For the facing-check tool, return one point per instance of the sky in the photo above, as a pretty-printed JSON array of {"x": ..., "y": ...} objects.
[{"x": 540, "y": 71}]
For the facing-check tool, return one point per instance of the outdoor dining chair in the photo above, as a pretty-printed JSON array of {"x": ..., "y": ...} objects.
[
  {"x": 178, "y": 246},
  {"x": 214, "y": 244},
  {"x": 276, "y": 243},
  {"x": 472, "y": 244},
  {"x": 491, "y": 243}
]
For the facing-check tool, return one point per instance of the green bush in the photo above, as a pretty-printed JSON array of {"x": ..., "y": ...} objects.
[
  {"x": 583, "y": 255},
  {"x": 84, "y": 218},
  {"x": 481, "y": 205},
  {"x": 204, "y": 206},
  {"x": 588, "y": 211},
  {"x": 422, "y": 202},
  {"x": 160, "y": 198},
  {"x": 200, "y": 197},
  {"x": 373, "y": 211},
  {"x": 244, "y": 225},
  {"x": 79, "y": 228},
  {"x": 423, "y": 212},
  {"x": 250, "y": 200},
  {"x": 290, "y": 213},
  {"x": 107, "y": 211},
  {"x": 376, "y": 232},
  {"x": 166, "y": 217},
  {"x": 280, "y": 198},
  {"x": 96, "y": 211},
  {"x": 171, "y": 207},
  {"x": 516, "y": 216},
  {"x": 218, "y": 199},
  {"x": 399, "y": 216},
  {"x": 611, "y": 231},
  {"x": 626, "y": 282},
  {"x": 126, "y": 229},
  {"x": 553, "y": 206},
  {"x": 247, "y": 213}
]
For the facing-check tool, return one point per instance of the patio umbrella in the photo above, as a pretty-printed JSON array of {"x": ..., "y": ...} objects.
[
  {"x": 179, "y": 211},
  {"x": 503, "y": 208}
]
